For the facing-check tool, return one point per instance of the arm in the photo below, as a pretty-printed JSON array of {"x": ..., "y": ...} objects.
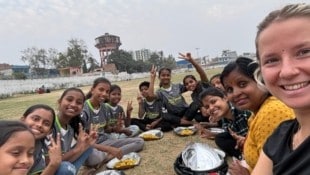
[
  {"x": 141, "y": 111},
  {"x": 151, "y": 93},
  {"x": 128, "y": 113},
  {"x": 54, "y": 156},
  {"x": 153, "y": 124},
  {"x": 199, "y": 69},
  {"x": 263, "y": 166}
]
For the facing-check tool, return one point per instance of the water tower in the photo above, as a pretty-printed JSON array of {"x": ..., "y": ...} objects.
[{"x": 107, "y": 44}]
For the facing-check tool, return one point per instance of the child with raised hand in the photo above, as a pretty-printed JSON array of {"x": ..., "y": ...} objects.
[
  {"x": 192, "y": 84},
  {"x": 150, "y": 112},
  {"x": 76, "y": 143},
  {"x": 283, "y": 53},
  {"x": 17, "y": 144},
  {"x": 40, "y": 119},
  {"x": 119, "y": 117},
  {"x": 97, "y": 113},
  {"x": 230, "y": 118}
]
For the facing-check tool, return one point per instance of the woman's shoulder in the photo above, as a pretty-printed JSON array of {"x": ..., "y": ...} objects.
[{"x": 274, "y": 104}]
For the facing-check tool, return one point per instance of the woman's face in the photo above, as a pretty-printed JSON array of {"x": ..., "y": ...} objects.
[
  {"x": 216, "y": 82},
  {"x": 40, "y": 121},
  {"x": 243, "y": 92},
  {"x": 284, "y": 49},
  {"x": 71, "y": 104},
  {"x": 217, "y": 106},
  {"x": 165, "y": 77},
  {"x": 115, "y": 96},
  {"x": 100, "y": 93},
  {"x": 16, "y": 155},
  {"x": 190, "y": 84}
]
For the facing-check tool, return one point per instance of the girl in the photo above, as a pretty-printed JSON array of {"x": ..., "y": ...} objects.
[
  {"x": 191, "y": 84},
  {"x": 244, "y": 93},
  {"x": 283, "y": 52},
  {"x": 96, "y": 112},
  {"x": 231, "y": 119},
  {"x": 126, "y": 130},
  {"x": 76, "y": 144},
  {"x": 215, "y": 81},
  {"x": 40, "y": 119},
  {"x": 16, "y": 148}
]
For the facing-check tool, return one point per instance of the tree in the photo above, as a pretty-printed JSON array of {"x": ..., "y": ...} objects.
[
  {"x": 123, "y": 61},
  {"x": 39, "y": 59}
]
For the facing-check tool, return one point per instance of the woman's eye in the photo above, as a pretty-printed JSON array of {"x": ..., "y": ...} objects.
[
  {"x": 242, "y": 84},
  {"x": 304, "y": 52}
]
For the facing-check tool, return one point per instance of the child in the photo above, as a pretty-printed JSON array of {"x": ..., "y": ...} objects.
[
  {"x": 96, "y": 112},
  {"x": 126, "y": 130},
  {"x": 149, "y": 112},
  {"x": 76, "y": 144},
  {"x": 232, "y": 119},
  {"x": 16, "y": 148},
  {"x": 216, "y": 82},
  {"x": 283, "y": 52},
  {"x": 191, "y": 84}
]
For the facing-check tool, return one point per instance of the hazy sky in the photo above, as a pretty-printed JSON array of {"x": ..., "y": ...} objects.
[{"x": 203, "y": 27}]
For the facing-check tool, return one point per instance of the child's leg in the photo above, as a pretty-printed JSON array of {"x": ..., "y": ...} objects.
[{"x": 66, "y": 168}]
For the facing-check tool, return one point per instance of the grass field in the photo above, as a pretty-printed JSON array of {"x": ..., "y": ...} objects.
[{"x": 157, "y": 157}]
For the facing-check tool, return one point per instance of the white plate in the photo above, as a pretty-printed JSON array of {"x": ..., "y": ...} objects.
[
  {"x": 132, "y": 155},
  {"x": 217, "y": 130},
  {"x": 111, "y": 172},
  {"x": 158, "y": 133},
  {"x": 178, "y": 130}
]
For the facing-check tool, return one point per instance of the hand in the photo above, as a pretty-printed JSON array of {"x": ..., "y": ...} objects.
[
  {"x": 239, "y": 139},
  {"x": 186, "y": 56},
  {"x": 129, "y": 108},
  {"x": 127, "y": 132},
  {"x": 139, "y": 98},
  {"x": 54, "y": 151},
  {"x": 205, "y": 133},
  {"x": 153, "y": 72},
  {"x": 235, "y": 168},
  {"x": 116, "y": 152}
]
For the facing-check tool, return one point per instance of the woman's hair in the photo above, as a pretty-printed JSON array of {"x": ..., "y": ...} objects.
[
  {"x": 287, "y": 12},
  {"x": 75, "y": 121},
  {"x": 213, "y": 92},
  {"x": 163, "y": 69},
  {"x": 215, "y": 76},
  {"x": 96, "y": 82},
  {"x": 189, "y": 76},
  {"x": 32, "y": 108},
  {"x": 8, "y": 128},
  {"x": 244, "y": 65},
  {"x": 115, "y": 87}
]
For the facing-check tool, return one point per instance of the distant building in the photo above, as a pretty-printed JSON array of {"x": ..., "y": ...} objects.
[
  {"x": 227, "y": 56},
  {"x": 21, "y": 69},
  {"x": 249, "y": 55},
  {"x": 145, "y": 54},
  {"x": 70, "y": 71}
]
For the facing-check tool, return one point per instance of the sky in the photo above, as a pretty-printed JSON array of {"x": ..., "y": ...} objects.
[{"x": 202, "y": 27}]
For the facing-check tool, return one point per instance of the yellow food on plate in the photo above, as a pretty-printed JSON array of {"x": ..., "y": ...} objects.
[
  {"x": 149, "y": 137},
  {"x": 124, "y": 164},
  {"x": 186, "y": 132}
]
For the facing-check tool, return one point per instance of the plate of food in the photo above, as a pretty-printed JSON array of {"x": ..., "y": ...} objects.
[
  {"x": 127, "y": 161},
  {"x": 185, "y": 131},
  {"x": 153, "y": 134},
  {"x": 216, "y": 130}
]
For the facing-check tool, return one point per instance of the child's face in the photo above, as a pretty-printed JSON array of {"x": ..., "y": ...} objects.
[
  {"x": 243, "y": 91},
  {"x": 165, "y": 77},
  {"x": 16, "y": 155},
  {"x": 71, "y": 104},
  {"x": 115, "y": 96},
  {"x": 284, "y": 49},
  {"x": 217, "y": 106},
  {"x": 216, "y": 82},
  {"x": 40, "y": 121},
  {"x": 100, "y": 93},
  {"x": 144, "y": 91},
  {"x": 190, "y": 84}
]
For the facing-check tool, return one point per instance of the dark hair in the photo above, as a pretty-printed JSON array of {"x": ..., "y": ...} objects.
[
  {"x": 96, "y": 82},
  {"x": 8, "y": 128},
  {"x": 215, "y": 76},
  {"x": 189, "y": 76},
  {"x": 211, "y": 91},
  {"x": 32, "y": 108},
  {"x": 115, "y": 87},
  {"x": 74, "y": 122},
  {"x": 144, "y": 83},
  {"x": 163, "y": 69},
  {"x": 244, "y": 65}
]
